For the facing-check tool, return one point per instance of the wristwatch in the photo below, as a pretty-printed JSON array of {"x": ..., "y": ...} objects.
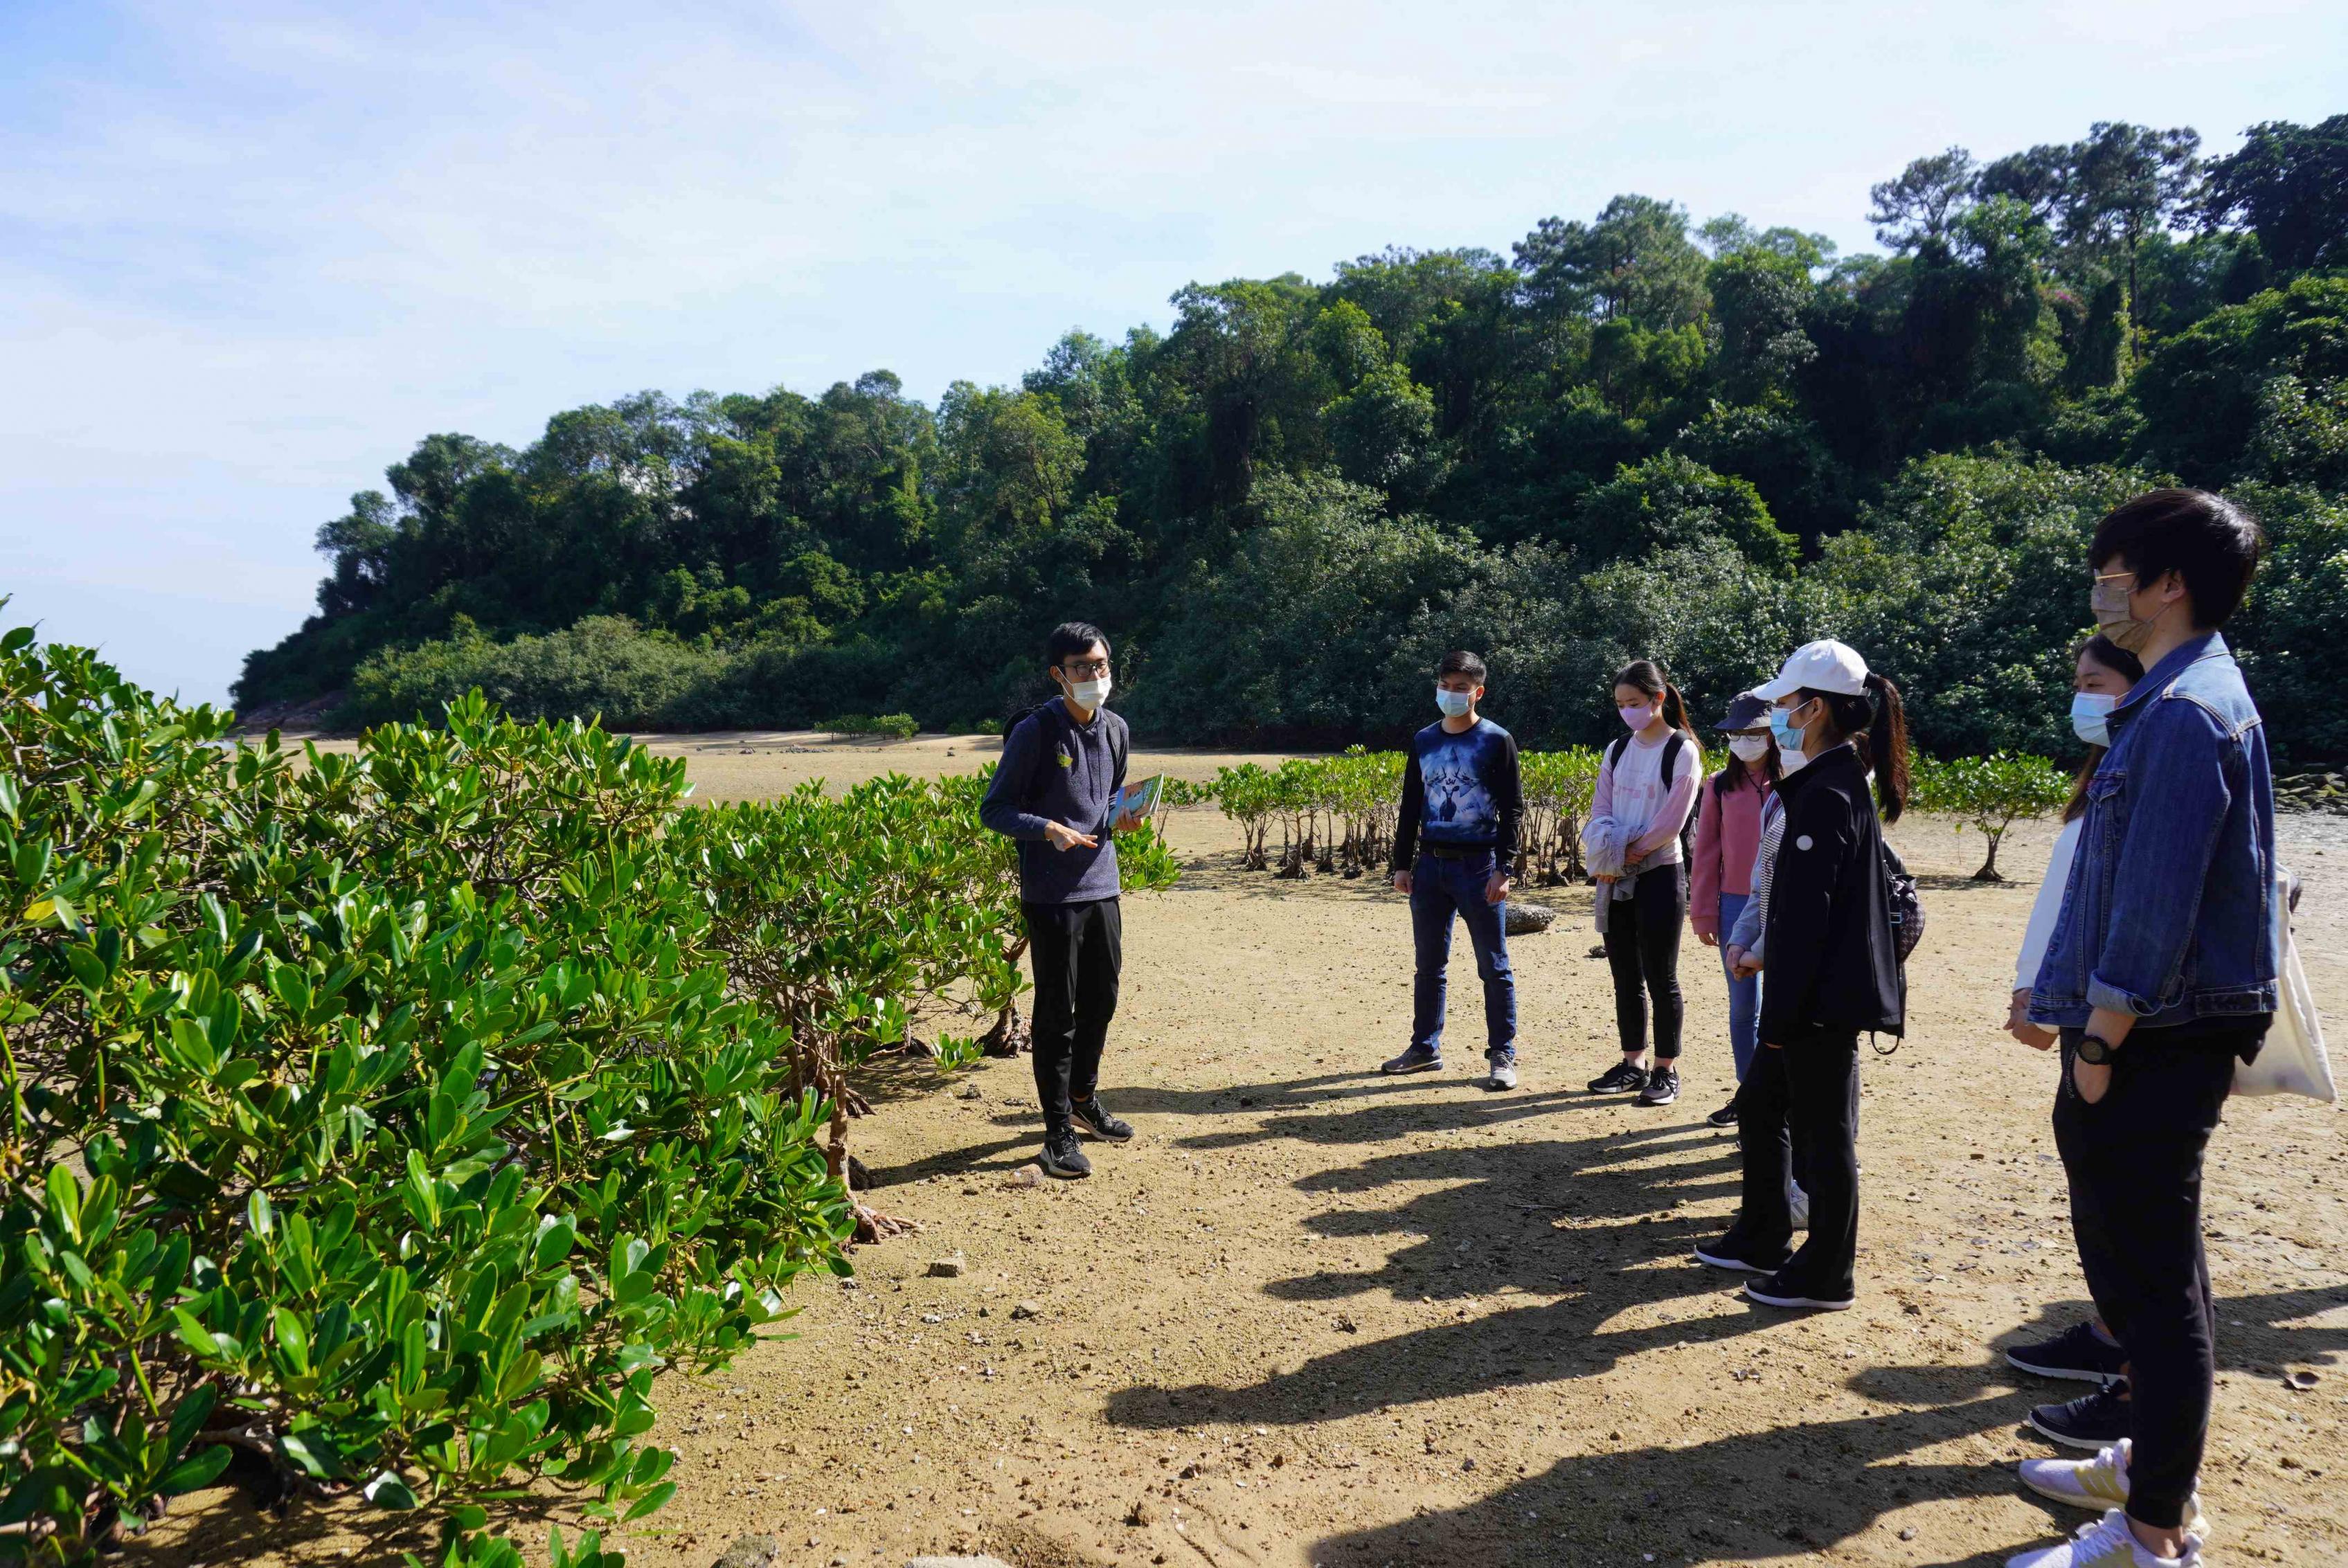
[{"x": 2095, "y": 1049}]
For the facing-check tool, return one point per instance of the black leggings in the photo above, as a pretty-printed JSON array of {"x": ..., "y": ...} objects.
[{"x": 1642, "y": 946}]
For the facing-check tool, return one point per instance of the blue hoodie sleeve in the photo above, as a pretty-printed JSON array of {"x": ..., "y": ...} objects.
[{"x": 1013, "y": 782}]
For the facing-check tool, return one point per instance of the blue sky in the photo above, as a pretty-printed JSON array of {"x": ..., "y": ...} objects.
[{"x": 249, "y": 254}]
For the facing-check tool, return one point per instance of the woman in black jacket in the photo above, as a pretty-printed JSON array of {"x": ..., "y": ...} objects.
[{"x": 1833, "y": 974}]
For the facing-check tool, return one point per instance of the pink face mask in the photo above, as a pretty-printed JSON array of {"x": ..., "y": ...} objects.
[{"x": 1637, "y": 718}]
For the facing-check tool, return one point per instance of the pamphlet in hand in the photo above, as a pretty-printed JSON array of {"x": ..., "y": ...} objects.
[{"x": 1135, "y": 804}]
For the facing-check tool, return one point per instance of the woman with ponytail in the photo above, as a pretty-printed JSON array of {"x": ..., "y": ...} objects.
[
  {"x": 1834, "y": 974},
  {"x": 1646, "y": 787}
]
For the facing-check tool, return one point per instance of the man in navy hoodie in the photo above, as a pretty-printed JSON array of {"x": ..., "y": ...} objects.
[{"x": 1063, "y": 765}]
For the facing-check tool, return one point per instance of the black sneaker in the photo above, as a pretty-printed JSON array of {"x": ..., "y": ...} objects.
[
  {"x": 1733, "y": 1252},
  {"x": 1417, "y": 1059},
  {"x": 2078, "y": 1353},
  {"x": 1065, "y": 1157},
  {"x": 1725, "y": 1117},
  {"x": 1620, "y": 1079},
  {"x": 2090, "y": 1421},
  {"x": 1778, "y": 1291},
  {"x": 1662, "y": 1086},
  {"x": 1092, "y": 1116}
]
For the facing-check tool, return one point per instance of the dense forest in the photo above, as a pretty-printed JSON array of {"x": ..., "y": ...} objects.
[{"x": 1634, "y": 434}]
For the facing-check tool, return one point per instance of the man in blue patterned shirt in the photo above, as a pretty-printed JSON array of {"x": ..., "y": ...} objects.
[{"x": 1455, "y": 839}]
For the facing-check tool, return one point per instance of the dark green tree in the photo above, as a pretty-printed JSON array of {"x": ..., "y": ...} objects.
[{"x": 2290, "y": 184}]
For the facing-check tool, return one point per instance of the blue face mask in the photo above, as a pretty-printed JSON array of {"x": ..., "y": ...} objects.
[
  {"x": 1783, "y": 729},
  {"x": 2091, "y": 713},
  {"x": 1453, "y": 704}
]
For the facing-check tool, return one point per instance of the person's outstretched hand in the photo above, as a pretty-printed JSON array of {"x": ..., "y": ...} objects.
[{"x": 2018, "y": 1024}]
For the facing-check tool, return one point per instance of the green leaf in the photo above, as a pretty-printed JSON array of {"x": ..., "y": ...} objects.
[
  {"x": 652, "y": 1501},
  {"x": 387, "y": 1491},
  {"x": 198, "y": 1470},
  {"x": 312, "y": 1452}
]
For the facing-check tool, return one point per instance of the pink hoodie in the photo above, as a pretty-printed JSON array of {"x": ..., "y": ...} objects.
[{"x": 1727, "y": 836}]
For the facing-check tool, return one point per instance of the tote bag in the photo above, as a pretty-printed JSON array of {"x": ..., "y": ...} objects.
[{"x": 2293, "y": 1059}]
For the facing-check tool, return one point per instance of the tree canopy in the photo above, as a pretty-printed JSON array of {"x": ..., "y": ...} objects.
[{"x": 1635, "y": 433}]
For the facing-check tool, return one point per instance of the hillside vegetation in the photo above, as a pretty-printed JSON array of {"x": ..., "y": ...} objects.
[{"x": 1631, "y": 433}]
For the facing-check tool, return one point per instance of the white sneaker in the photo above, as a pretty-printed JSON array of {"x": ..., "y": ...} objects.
[
  {"x": 1798, "y": 1203},
  {"x": 2100, "y": 1483},
  {"x": 2108, "y": 1542}
]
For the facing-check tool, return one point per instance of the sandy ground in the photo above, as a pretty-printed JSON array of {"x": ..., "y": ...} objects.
[{"x": 1313, "y": 1316}]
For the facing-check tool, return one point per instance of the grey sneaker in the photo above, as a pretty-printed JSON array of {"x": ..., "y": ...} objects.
[
  {"x": 1504, "y": 1069},
  {"x": 1417, "y": 1059},
  {"x": 1662, "y": 1086}
]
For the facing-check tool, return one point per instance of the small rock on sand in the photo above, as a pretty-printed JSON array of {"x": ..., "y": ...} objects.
[
  {"x": 1028, "y": 1309},
  {"x": 750, "y": 1551},
  {"x": 957, "y": 1563},
  {"x": 951, "y": 1266},
  {"x": 1026, "y": 1177},
  {"x": 1530, "y": 920}
]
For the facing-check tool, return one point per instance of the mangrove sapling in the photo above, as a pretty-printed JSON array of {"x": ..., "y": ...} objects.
[{"x": 1991, "y": 794}]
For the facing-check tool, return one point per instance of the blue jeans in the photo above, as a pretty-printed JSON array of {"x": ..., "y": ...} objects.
[
  {"x": 1745, "y": 995},
  {"x": 1439, "y": 889}
]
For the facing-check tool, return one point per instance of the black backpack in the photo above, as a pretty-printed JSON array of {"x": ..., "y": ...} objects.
[
  {"x": 1907, "y": 910},
  {"x": 1673, "y": 746}
]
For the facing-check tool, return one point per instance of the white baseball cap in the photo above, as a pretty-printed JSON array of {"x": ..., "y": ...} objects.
[{"x": 1824, "y": 666}]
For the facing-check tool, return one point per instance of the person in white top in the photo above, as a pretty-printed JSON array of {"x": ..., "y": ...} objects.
[
  {"x": 2101, "y": 673},
  {"x": 1646, "y": 786}
]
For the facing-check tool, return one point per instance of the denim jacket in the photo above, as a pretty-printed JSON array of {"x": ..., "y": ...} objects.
[{"x": 2166, "y": 913}]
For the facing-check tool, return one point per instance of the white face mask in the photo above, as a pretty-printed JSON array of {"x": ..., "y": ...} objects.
[
  {"x": 1748, "y": 748},
  {"x": 1089, "y": 694},
  {"x": 1455, "y": 704},
  {"x": 2091, "y": 713}
]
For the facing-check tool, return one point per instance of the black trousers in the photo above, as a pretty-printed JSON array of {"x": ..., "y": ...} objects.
[
  {"x": 2134, "y": 1160},
  {"x": 1076, "y": 950},
  {"x": 1805, "y": 1097},
  {"x": 1643, "y": 948}
]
